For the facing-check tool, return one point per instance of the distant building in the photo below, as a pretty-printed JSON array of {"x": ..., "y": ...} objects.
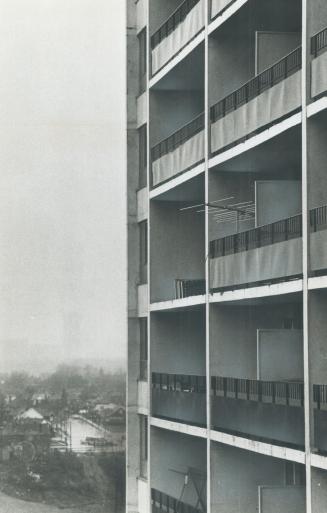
[{"x": 30, "y": 415}]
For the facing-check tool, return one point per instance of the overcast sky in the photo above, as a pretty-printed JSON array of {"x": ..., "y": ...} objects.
[{"x": 62, "y": 183}]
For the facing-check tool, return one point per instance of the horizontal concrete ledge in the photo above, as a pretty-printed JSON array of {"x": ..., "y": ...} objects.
[
  {"x": 174, "y": 304},
  {"x": 275, "y": 451},
  {"x": 186, "y": 429},
  {"x": 319, "y": 461},
  {"x": 276, "y": 289},
  {"x": 256, "y": 140},
  {"x": 178, "y": 180},
  {"x": 317, "y": 106},
  {"x": 318, "y": 282},
  {"x": 177, "y": 59},
  {"x": 227, "y": 13}
]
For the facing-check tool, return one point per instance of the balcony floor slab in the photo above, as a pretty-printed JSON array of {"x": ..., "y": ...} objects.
[
  {"x": 262, "y": 291},
  {"x": 267, "y": 449},
  {"x": 179, "y": 427}
]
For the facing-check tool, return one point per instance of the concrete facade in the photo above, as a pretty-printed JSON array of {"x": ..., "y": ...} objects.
[{"x": 227, "y": 256}]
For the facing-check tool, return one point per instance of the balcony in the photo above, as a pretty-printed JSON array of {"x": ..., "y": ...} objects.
[
  {"x": 261, "y": 410},
  {"x": 177, "y": 247},
  {"x": 179, "y": 397},
  {"x": 178, "y": 469},
  {"x": 189, "y": 288},
  {"x": 219, "y": 6},
  {"x": 163, "y": 503},
  {"x": 320, "y": 417},
  {"x": 319, "y": 64},
  {"x": 247, "y": 482},
  {"x": 318, "y": 239},
  {"x": 268, "y": 253},
  {"x": 179, "y": 152},
  {"x": 176, "y": 32},
  {"x": 268, "y": 97}
]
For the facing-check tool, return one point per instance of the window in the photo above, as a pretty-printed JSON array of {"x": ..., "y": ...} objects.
[
  {"x": 142, "y": 61},
  {"x": 143, "y": 446},
  {"x": 142, "y": 157},
  {"x": 143, "y": 252},
  {"x": 143, "y": 349}
]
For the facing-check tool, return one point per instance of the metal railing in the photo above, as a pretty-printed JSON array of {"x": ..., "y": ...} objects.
[
  {"x": 188, "y": 288},
  {"x": 278, "y": 392},
  {"x": 318, "y": 218},
  {"x": 178, "y": 138},
  {"x": 179, "y": 383},
  {"x": 286, "y": 229},
  {"x": 163, "y": 502},
  {"x": 320, "y": 395},
  {"x": 177, "y": 17},
  {"x": 143, "y": 370},
  {"x": 265, "y": 80},
  {"x": 319, "y": 42}
]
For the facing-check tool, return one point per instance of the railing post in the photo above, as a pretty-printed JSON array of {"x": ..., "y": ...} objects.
[
  {"x": 236, "y": 387},
  {"x": 273, "y": 392},
  {"x": 225, "y": 386}
]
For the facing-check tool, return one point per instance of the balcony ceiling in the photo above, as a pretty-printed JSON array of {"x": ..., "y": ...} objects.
[
  {"x": 279, "y": 153},
  {"x": 190, "y": 191},
  {"x": 188, "y": 75}
]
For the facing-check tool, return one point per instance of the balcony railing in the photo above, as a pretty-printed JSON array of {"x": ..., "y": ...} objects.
[
  {"x": 318, "y": 218},
  {"x": 178, "y": 138},
  {"x": 179, "y": 383},
  {"x": 275, "y": 392},
  {"x": 265, "y": 80},
  {"x": 286, "y": 229},
  {"x": 320, "y": 396},
  {"x": 172, "y": 22},
  {"x": 280, "y": 231},
  {"x": 188, "y": 288},
  {"x": 319, "y": 42},
  {"x": 162, "y": 502}
]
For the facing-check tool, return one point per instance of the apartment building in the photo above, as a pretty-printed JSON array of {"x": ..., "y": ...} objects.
[{"x": 227, "y": 229}]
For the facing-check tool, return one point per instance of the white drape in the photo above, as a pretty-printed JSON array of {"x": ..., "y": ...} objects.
[
  {"x": 178, "y": 160},
  {"x": 183, "y": 33},
  {"x": 269, "y": 106},
  {"x": 217, "y": 6},
  {"x": 319, "y": 75},
  {"x": 269, "y": 262}
]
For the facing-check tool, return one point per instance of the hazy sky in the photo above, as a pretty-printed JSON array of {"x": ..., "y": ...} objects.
[{"x": 62, "y": 183}]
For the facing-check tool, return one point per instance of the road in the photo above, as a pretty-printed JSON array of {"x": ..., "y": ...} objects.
[{"x": 13, "y": 505}]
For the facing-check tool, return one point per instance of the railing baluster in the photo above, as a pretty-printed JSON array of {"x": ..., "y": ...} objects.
[{"x": 319, "y": 42}]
